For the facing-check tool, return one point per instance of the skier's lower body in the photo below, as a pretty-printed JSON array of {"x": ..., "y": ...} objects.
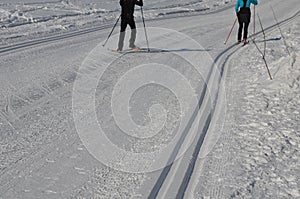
[
  {"x": 244, "y": 21},
  {"x": 124, "y": 22},
  {"x": 241, "y": 27}
]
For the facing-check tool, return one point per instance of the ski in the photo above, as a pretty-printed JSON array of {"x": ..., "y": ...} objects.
[
  {"x": 245, "y": 43},
  {"x": 242, "y": 43},
  {"x": 130, "y": 50}
]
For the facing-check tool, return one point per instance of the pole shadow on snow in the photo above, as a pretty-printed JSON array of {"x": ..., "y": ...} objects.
[
  {"x": 271, "y": 39},
  {"x": 154, "y": 50}
]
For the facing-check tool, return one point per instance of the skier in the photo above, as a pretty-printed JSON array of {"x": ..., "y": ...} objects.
[
  {"x": 127, "y": 18},
  {"x": 242, "y": 9}
]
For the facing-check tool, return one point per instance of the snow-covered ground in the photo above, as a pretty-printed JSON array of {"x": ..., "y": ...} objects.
[
  {"x": 30, "y": 19},
  {"x": 258, "y": 155},
  {"x": 42, "y": 156}
]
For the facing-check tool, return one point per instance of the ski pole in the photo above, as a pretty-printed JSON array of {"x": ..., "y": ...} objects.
[
  {"x": 254, "y": 22},
  {"x": 112, "y": 31},
  {"x": 277, "y": 23},
  {"x": 230, "y": 31},
  {"x": 145, "y": 29}
]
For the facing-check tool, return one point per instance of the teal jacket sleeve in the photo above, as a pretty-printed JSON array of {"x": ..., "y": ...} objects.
[
  {"x": 240, "y": 2},
  {"x": 237, "y": 6},
  {"x": 254, "y": 2}
]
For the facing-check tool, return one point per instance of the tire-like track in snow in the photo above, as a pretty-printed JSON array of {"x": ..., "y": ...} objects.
[{"x": 219, "y": 63}]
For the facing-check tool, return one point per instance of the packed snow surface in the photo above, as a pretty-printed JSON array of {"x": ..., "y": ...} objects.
[
  {"x": 256, "y": 153},
  {"x": 32, "y": 18}
]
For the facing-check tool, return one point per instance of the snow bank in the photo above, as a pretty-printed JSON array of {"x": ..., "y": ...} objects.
[
  {"x": 267, "y": 137},
  {"x": 259, "y": 155}
]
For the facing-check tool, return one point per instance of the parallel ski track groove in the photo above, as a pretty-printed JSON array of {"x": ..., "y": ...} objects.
[
  {"x": 31, "y": 43},
  {"x": 224, "y": 54},
  {"x": 189, "y": 172}
]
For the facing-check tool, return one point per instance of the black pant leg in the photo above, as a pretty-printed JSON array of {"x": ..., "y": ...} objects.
[
  {"x": 132, "y": 25},
  {"x": 240, "y": 30},
  {"x": 246, "y": 30},
  {"x": 122, "y": 33}
]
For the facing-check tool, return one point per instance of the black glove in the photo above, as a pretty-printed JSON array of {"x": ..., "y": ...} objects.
[{"x": 139, "y": 3}]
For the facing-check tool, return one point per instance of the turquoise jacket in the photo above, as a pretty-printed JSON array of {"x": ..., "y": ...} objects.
[{"x": 240, "y": 4}]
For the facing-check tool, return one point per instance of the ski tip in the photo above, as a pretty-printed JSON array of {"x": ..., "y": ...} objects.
[
  {"x": 245, "y": 43},
  {"x": 116, "y": 51},
  {"x": 131, "y": 50},
  {"x": 135, "y": 49}
]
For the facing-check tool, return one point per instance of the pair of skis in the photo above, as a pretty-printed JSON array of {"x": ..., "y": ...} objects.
[
  {"x": 142, "y": 12},
  {"x": 136, "y": 49},
  {"x": 243, "y": 43}
]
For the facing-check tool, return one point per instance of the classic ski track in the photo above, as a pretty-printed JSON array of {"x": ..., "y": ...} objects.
[
  {"x": 46, "y": 40},
  {"x": 34, "y": 160},
  {"x": 31, "y": 43},
  {"x": 220, "y": 62},
  {"x": 218, "y": 164}
]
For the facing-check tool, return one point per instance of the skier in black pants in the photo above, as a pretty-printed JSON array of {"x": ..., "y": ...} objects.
[
  {"x": 127, "y": 18},
  {"x": 242, "y": 9}
]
